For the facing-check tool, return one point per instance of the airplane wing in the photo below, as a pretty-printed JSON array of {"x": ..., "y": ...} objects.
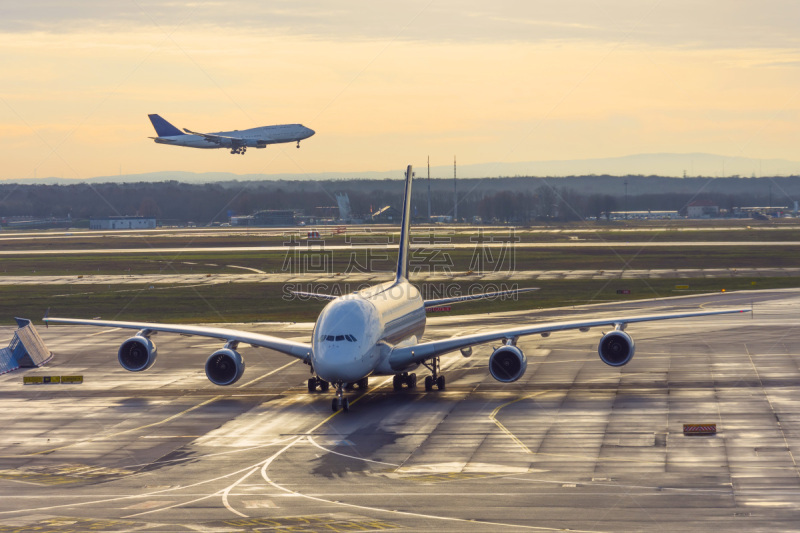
[
  {"x": 402, "y": 357},
  {"x": 496, "y": 294},
  {"x": 295, "y": 349},
  {"x": 222, "y": 140}
]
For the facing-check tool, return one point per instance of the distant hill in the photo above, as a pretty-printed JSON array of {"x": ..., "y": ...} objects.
[{"x": 670, "y": 165}]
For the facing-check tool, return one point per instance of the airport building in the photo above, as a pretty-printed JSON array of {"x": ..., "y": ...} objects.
[
  {"x": 702, "y": 209},
  {"x": 102, "y": 223}
]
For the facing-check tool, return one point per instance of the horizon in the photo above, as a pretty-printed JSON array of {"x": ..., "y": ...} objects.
[
  {"x": 709, "y": 166},
  {"x": 385, "y": 84}
]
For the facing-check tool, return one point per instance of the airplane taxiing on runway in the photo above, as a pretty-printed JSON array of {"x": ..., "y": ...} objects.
[
  {"x": 238, "y": 141},
  {"x": 377, "y": 332}
]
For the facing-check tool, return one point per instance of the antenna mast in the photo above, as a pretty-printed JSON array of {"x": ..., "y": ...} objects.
[
  {"x": 429, "y": 189},
  {"x": 455, "y": 193}
]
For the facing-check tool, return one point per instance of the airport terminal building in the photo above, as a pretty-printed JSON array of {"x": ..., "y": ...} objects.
[{"x": 102, "y": 223}]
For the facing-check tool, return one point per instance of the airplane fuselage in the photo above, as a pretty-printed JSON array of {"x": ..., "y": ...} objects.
[
  {"x": 355, "y": 333},
  {"x": 253, "y": 137}
]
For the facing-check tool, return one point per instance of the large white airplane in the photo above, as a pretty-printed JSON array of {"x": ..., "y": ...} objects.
[
  {"x": 377, "y": 332},
  {"x": 238, "y": 141}
]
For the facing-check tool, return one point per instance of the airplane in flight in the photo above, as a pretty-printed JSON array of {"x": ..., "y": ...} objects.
[
  {"x": 238, "y": 141},
  {"x": 378, "y": 332}
]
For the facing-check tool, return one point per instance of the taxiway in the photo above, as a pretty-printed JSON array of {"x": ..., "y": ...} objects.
[{"x": 574, "y": 445}]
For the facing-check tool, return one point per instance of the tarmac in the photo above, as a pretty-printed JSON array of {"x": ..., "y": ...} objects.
[
  {"x": 377, "y": 277},
  {"x": 573, "y": 445}
]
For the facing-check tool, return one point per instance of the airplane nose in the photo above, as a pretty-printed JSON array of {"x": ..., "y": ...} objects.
[{"x": 310, "y": 132}]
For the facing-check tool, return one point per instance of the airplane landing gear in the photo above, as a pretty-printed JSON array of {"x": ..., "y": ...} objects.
[
  {"x": 314, "y": 383},
  {"x": 298, "y": 144},
  {"x": 340, "y": 402},
  {"x": 409, "y": 380},
  {"x": 435, "y": 378},
  {"x": 239, "y": 150}
]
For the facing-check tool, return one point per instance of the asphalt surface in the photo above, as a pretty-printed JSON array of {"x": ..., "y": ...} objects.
[
  {"x": 573, "y": 445},
  {"x": 379, "y": 277}
]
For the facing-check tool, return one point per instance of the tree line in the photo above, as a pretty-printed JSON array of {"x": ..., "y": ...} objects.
[{"x": 505, "y": 200}]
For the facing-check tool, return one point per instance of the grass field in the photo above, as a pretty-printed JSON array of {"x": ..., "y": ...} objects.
[
  {"x": 270, "y": 302},
  {"x": 461, "y": 260}
]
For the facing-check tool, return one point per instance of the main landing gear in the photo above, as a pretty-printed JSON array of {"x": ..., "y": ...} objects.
[
  {"x": 240, "y": 150},
  {"x": 314, "y": 383},
  {"x": 435, "y": 378},
  {"x": 409, "y": 380}
]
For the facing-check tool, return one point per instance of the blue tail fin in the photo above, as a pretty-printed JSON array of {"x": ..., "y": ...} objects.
[
  {"x": 164, "y": 128},
  {"x": 402, "y": 256}
]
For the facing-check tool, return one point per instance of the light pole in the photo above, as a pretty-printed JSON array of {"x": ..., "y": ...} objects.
[{"x": 626, "y": 199}]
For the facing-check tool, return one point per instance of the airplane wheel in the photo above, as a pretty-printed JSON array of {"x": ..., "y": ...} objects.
[
  {"x": 335, "y": 405},
  {"x": 312, "y": 385},
  {"x": 345, "y": 405},
  {"x": 397, "y": 382},
  {"x": 411, "y": 381},
  {"x": 440, "y": 383},
  {"x": 324, "y": 385},
  {"x": 428, "y": 383}
]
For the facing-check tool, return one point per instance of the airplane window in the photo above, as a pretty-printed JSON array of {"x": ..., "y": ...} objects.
[{"x": 334, "y": 338}]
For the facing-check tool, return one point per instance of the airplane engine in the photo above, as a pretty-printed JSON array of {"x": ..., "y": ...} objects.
[
  {"x": 137, "y": 354},
  {"x": 224, "y": 367},
  {"x": 616, "y": 348},
  {"x": 507, "y": 364}
]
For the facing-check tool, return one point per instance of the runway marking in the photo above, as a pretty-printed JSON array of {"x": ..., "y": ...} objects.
[
  {"x": 772, "y": 408},
  {"x": 269, "y": 373},
  {"x": 104, "y": 332},
  {"x": 266, "y": 477},
  {"x": 229, "y": 488},
  {"x": 312, "y": 441},
  {"x": 493, "y": 418},
  {"x": 103, "y": 437},
  {"x": 139, "y": 496},
  {"x": 164, "y": 421}
]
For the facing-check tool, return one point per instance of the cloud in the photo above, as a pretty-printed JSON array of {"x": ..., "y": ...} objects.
[{"x": 709, "y": 24}]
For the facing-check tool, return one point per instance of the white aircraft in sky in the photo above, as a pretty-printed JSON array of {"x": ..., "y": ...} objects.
[
  {"x": 238, "y": 140},
  {"x": 378, "y": 332}
]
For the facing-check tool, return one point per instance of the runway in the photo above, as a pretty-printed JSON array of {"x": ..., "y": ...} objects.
[
  {"x": 391, "y": 247},
  {"x": 574, "y": 445},
  {"x": 379, "y": 276}
]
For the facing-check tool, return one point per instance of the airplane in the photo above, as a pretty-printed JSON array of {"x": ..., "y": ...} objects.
[
  {"x": 237, "y": 141},
  {"x": 378, "y": 331}
]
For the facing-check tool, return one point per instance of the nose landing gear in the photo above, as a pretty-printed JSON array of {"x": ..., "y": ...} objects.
[{"x": 340, "y": 402}]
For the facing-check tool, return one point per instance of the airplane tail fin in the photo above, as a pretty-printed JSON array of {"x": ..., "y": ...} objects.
[
  {"x": 164, "y": 128},
  {"x": 402, "y": 255}
]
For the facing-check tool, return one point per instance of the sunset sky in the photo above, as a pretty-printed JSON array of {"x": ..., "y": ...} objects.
[{"x": 385, "y": 84}]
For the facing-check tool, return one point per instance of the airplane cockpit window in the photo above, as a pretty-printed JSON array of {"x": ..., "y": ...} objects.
[{"x": 337, "y": 338}]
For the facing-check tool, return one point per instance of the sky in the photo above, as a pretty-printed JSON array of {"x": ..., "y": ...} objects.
[{"x": 385, "y": 84}]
